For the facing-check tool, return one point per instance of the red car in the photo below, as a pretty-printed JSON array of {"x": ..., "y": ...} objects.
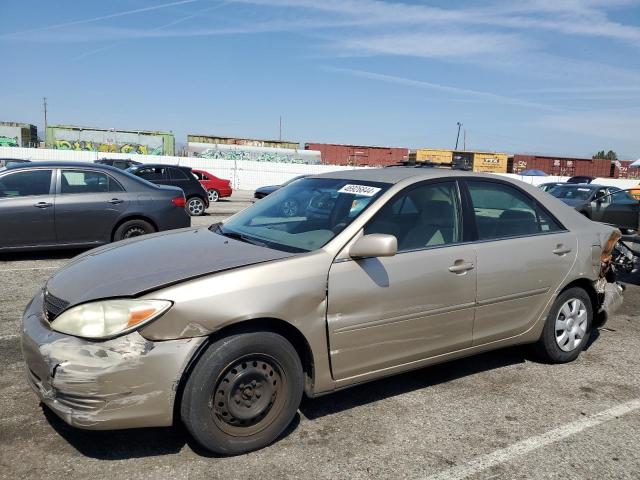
[{"x": 216, "y": 187}]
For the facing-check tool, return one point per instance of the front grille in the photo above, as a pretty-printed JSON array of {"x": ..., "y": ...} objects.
[{"x": 53, "y": 306}]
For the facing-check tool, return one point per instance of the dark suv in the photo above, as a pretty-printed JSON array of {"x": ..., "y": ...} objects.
[
  {"x": 178, "y": 176},
  {"x": 120, "y": 163}
]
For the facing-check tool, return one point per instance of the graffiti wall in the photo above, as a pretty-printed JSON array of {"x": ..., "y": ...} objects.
[
  {"x": 254, "y": 154},
  {"x": 110, "y": 141},
  {"x": 18, "y": 135}
]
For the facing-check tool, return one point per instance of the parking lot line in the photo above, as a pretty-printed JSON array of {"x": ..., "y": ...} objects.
[
  {"x": 7, "y": 337},
  {"x": 533, "y": 443}
]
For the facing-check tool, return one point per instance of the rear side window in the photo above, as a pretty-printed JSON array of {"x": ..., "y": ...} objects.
[
  {"x": 77, "y": 181},
  {"x": 178, "y": 174},
  {"x": 502, "y": 211},
  {"x": 26, "y": 183}
]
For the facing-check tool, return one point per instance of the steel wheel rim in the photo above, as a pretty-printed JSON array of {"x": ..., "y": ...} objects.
[
  {"x": 134, "y": 231},
  {"x": 249, "y": 395},
  {"x": 213, "y": 196},
  {"x": 289, "y": 208},
  {"x": 571, "y": 324},
  {"x": 196, "y": 207}
]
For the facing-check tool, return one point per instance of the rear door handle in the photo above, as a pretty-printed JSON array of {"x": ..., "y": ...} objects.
[
  {"x": 561, "y": 250},
  {"x": 461, "y": 267},
  {"x": 115, "y": 201},
  {"x": 43, "y": 205}
]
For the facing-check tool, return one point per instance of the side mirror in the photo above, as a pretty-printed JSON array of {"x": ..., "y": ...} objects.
[{"x": 374, "y": 245}]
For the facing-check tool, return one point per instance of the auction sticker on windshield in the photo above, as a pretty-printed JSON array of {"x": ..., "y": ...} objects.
[{"x": 364, "y": 190}]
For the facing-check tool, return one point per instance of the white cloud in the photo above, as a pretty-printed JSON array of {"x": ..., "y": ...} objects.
[{"x": 486, "y": 96}]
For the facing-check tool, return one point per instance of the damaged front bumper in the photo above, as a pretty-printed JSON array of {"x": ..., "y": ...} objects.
[{"x": 125, "y": 382}]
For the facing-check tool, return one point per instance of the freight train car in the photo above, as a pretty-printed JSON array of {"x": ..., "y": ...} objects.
[
  {"x": 245, "y": 142},
  {"x": 14, "y": 134},
  {"x": 562, "y": 166},
  {"x": 462, "y": 160},
  {"x": 69, "y": 137},
  {"x": 359, "y": 155}
]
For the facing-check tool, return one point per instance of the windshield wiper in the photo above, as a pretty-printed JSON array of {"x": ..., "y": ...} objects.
[{"x": 235, "y": 235}]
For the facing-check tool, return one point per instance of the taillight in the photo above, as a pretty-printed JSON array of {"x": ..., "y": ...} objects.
[{"x": 179, "y": 202}]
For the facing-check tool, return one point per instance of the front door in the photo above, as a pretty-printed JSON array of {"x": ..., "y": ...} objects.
[
  {"x": 523, "y": 256},
  {"x": 26, "y": 208},
  {"x": 385, "y": 312},
  {"x": 617, "y": 208}
]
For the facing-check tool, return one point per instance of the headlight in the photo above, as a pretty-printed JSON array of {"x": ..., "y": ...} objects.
[{"x": 108, "y": 318}]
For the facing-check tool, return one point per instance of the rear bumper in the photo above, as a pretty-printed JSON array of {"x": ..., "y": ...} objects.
[
  {"x": 225, "y": 192},
  {"x": 125, "y": 382},
  {"x": 175, "y": 217}
]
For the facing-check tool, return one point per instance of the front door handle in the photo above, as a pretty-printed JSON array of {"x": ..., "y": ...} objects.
[
  {"x": 115, "y": 201},
  {"x": 561, "y": 250},
  {"x": 461, "y": 267},
  {"x": 43, "y": 205}
]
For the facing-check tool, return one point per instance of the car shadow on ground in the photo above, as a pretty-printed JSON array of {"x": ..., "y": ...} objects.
[
  {"x": 148, "y": 442},
  {"x": 41, "y": 255},
  {"x": 134, "y": 443}
]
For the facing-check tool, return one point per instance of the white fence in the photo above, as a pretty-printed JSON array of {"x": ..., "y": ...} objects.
[{"x": 244, "y": 174}]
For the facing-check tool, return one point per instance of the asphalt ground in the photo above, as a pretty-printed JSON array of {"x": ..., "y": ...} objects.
[{"x": 498, "y": 415}]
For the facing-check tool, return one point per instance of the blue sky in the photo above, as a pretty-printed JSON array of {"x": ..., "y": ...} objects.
[{"x": 546, "y": 76}]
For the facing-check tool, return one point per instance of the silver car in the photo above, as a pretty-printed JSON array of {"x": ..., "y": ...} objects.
[{"x": 382, "y": 271}]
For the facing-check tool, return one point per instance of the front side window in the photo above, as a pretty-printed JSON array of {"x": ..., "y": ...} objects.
[
  {"x": 77, "y": 181},
  {"x": 303, "y": 216},
  {"x": 502, "y": 211},
  {"x": 425, "y": 216},
  {"x": 26, "y": 183}
]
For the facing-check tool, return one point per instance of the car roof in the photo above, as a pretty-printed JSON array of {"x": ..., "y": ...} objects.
[
  {"x": 593, "y": 186},
  {"x": 161, "y": 165},
  {"x": 397, "y": 174},
  {"x": 51, "y": 164}
]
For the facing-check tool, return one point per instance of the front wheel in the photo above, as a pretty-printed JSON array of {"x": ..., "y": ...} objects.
[
  {"x": 567, "y": 328},
  {"x": 195, "y": 206},
  {"x": 243, "y": 392}
]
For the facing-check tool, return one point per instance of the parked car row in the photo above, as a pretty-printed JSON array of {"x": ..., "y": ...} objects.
[{"x": 73, "y": 205}]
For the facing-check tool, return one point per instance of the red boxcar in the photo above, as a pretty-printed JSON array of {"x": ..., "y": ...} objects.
[
  {"x": 564, "y": 166},
  {"x": 358, "y": 155},
  {"x": 623, "y": 171}
]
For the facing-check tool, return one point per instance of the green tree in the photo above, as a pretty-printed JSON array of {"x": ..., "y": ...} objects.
[{"x": 610, "y": 155}]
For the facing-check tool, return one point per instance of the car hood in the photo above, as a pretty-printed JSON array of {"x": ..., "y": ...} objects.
[
  {"x": 147, "y": 263},
  {"x": 268, "y": 189},
  {"x": 574, "y": 202}
]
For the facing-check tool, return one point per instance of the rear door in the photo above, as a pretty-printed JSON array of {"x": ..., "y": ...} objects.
[
  {"x": 89, "y": 204},
  {"x": 26, "y": 208},
  {"x": 180, "y": 179},
  {"x": 523, "y": 255},
  {"x": 158, "y": 175}
]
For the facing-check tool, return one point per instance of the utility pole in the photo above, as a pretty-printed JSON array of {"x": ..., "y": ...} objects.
[
  {"x": 458, "y": 136},
  {"x": 280, "y": 129},
  {"x": 44, "y": 104},
  {"x": 464, "y": 139}
]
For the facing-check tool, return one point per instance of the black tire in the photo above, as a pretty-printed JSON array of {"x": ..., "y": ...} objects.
[
  {"x": 132, "y": 228},
  {"x": 549, "y": 346},
  {"x": 243, "y": 392},
  {"x": 195, "y": 206}
]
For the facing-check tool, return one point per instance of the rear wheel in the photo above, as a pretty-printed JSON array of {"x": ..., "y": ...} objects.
[
  {"x": 132, "y": 228},
  {"x": 567, "y": 328},
  {"x": 195, "y": 206},
  {"x": 243, "y": 392},
  {"x": 214, "y": 196}
]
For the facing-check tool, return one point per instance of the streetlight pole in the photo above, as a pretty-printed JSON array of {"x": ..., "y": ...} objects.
[{"x": 458, "y": 136}]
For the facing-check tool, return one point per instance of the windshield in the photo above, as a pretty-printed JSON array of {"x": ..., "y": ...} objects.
[
  {"x": 304, "y": 215},
  {"x": 571, "y": 192}
]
